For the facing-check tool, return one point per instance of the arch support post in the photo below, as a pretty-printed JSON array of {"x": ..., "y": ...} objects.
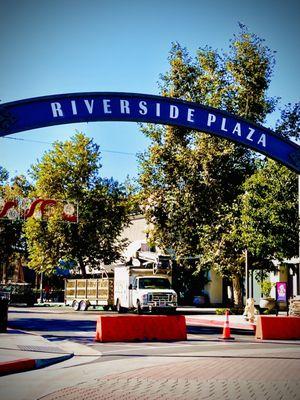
[{"x": 298, "y": 269}]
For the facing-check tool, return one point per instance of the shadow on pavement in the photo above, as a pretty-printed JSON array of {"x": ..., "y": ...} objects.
[
  {"x": 213, "y": 330},
  {"x": 86, "y": 340},
  {"x": 52, "y": 325},
  {"x": 28, "y": 312}
]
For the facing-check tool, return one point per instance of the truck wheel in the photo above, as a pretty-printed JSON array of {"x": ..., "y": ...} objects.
[
  {"x": 105, "y": 308},
  {"x": 83, "y": 305},
  {"x": 75, "y": 305},
  {"x": 139, "y": 308},
  {"x": 120, "y": 309}
]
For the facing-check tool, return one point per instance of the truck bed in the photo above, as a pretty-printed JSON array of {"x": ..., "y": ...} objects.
[{"x": 96, "y": 291}]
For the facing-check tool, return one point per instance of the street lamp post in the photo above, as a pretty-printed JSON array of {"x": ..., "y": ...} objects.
[
  {"x": 41, "y": 288},
  {"x": 247, "y": 274}
]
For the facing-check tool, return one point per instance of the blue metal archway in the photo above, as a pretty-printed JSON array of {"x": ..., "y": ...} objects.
[{"x": 68, "y": 108}]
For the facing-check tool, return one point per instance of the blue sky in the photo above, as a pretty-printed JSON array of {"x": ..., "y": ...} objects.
[{"x": 63, "y": 46}]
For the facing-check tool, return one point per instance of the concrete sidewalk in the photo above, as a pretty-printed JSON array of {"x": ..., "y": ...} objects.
[{"x": 22, "y": 351}]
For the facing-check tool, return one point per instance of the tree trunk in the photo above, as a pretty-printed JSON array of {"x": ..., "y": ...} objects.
[
  {"x": 237, "y": 291},
  {"x": 82, "y": 266},
  {"x": 4, "y": 271},
  {"x": 18, "y": 271}
]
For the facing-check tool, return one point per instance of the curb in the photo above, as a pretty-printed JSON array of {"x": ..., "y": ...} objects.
[{"x": 28, "y": 364}]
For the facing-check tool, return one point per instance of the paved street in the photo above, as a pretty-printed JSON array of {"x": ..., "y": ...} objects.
[{"x": 201, "y": 367}]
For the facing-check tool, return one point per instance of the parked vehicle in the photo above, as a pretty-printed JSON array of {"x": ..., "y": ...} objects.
[
  {"x": 143, "y": 286},
  {"x": 141, "y": 289},
  {"x": 83, "y": 293},
  {"x": 19, "y": 293}
]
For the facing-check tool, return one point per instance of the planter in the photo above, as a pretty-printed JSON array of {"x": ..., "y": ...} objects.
[{"x": 267, "y": 303}]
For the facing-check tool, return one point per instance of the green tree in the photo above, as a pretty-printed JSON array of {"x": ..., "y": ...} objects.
[
  {"x": 4, "y": 175},
  {"x": 133, "y": 195},
  {"x": 12, "y": 243},
  {"x": 269, "y": 216},
  {"x": 288, "y": 125},
  {"x": 70, "y": 172},
  {"x": 191, "y": 181}
]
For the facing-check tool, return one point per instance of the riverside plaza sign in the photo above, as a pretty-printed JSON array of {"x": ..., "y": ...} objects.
[{"x": 68, "y": 108}]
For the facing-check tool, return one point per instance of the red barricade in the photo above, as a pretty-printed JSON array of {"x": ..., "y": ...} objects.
[
  {"x": 119, "y": 328},
  {"x": 272, "y": 327}
]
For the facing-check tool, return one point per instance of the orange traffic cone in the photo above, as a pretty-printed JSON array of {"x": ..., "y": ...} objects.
[{"x": 226, "y": 328}]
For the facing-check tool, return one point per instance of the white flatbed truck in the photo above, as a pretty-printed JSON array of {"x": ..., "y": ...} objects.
[
  {"x": 143, "y": 289},
  {"x": 144, "y": 286}
]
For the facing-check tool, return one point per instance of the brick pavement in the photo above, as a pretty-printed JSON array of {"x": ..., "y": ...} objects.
[{"x": 214, "y": 378}]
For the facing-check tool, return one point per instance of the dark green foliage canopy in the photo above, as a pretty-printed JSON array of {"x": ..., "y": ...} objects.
[
  {"x": 12, "y": 241},
  {"x": 191, "y": 182},
  {"x": 70, "y": 171},
  {"x": 269, "y": 214}
]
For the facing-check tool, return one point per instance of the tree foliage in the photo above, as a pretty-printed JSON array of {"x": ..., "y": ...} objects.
[
  {"x": 269, "y": 221},
  {"x": 289, "y": 124},
  {"x": 12, "y": 241},
  {"x": 191, "y": 181},
  {"x": 269, "y": 212},
  {"x": 70, "y": 172}
]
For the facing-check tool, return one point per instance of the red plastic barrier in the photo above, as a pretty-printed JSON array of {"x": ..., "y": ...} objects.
[
  {"x": 117, "y": 328},
  {"x": 272, "y": 327}
]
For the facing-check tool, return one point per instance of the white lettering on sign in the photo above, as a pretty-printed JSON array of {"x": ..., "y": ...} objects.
[
  {"x": 74, "y": 107},
  {"x": 56, "y": 110},
  {"x": 89, "y": 106},
  {"x": 250, "y": 134},
  {"x": 221, "y": 123},
  {"x": 124, "y": 107},
  {"x": 190, "y": 115},
  {"x": 143, "y": 108},
  {"x": 157, "y": 109},
  {"x": 237, "y": 129},
  {"x": 223, "y": 128},
  {"x": 211, "y": 119},
  {"x": 174, "y": 112},
  {"x": 262, "y": 140},
  {"x": 106, "y": 106}
]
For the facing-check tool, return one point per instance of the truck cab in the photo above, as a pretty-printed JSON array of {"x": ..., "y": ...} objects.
[
  {"x": 151, "y": 293},
  {"x": 145, "y": 286}
]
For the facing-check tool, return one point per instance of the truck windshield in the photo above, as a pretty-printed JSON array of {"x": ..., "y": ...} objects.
[{"x": 154, "y": 283}]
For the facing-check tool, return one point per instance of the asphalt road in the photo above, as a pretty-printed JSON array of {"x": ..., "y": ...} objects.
[
  {"x": 60, "y": 324},
  {"x": 201, "y": 367}
]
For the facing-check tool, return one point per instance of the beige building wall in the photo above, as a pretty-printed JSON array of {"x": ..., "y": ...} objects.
[
  {"x": 214, "y": 287},
  {"x": 136, "y": 230}
]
